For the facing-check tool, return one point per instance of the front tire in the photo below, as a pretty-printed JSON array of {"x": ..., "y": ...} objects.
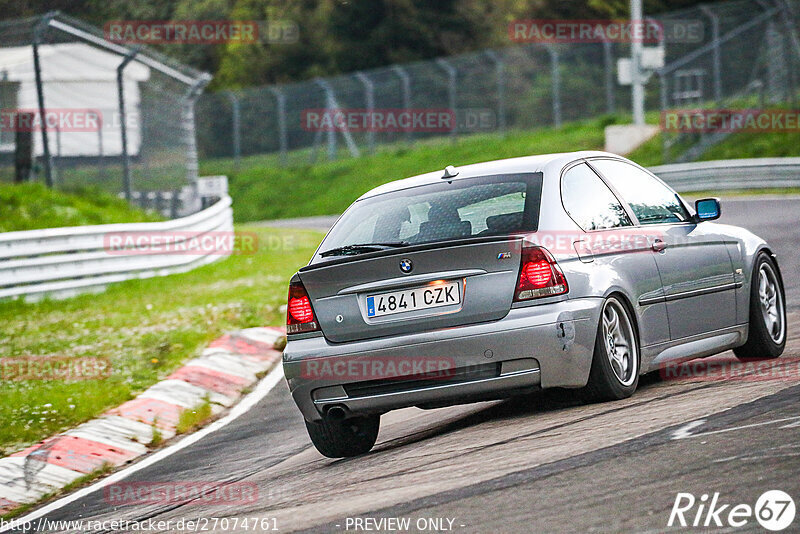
[
  {"x": 615, "y": 364},
  {"x": 767, "y": 325},
  {"x": 345, "y": 438}
]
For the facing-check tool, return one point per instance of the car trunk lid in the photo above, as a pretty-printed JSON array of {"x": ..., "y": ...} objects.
[{"x": 480, "y": 273}]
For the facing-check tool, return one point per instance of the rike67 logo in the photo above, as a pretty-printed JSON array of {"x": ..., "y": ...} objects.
[{"x": 774, "y": 510}]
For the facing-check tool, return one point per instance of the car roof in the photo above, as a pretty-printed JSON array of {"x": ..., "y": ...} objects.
[{"x": 525, "y": 164}]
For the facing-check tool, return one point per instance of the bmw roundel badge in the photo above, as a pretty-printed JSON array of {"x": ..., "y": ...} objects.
[{"x": 406, "y": 265}]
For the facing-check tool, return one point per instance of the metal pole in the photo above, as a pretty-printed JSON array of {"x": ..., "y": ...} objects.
[
  {"x": 100, "y": 157},
  {"x": 637, "y": 87},
  {"x": 500, "y": 75},
  {"x": 282, "y": 135},
  {"x": 369, "y": 97},
  {"x": 330, "y": 107},
  {"x": 608, "y": 61},
  {"x": 717, "y": 56},
  {"x": 452, "y": 74},
  {"x": 194, "y": 92},
  {"x": 331, "y": 104},
  {"x": 664, "y": 103},
  {"x": 38, "y": 38},
  {"x": 123, "y": 123},
  {"x": 237, "y": 132},
  {"x": 556, "y": 80},
  {"x": 405, "y": 82},
  {"x": 58, "y": 155}
]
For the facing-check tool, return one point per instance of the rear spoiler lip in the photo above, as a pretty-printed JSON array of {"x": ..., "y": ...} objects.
[{"x": 416, "y": 248}]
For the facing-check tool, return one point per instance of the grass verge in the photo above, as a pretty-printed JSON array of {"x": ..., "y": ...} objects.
[
  {"x": 144, "y": 328},
  {"x": 192, "y": 418}
]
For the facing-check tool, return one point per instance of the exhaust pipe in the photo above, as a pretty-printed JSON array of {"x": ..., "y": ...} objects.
[{"x": 336, "y": 412}]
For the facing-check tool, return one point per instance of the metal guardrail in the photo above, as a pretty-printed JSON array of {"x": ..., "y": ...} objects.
[
  {"x": 62, "y": 262},
  {"x": 730, "y": 174}
]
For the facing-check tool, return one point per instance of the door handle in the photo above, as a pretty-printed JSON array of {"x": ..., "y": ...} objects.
[{"x": 659, "y": 245}]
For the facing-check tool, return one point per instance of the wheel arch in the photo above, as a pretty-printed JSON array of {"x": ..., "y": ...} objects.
[
  {"x": 768, "y": 251},
  {"x": 626, "y": 301}
]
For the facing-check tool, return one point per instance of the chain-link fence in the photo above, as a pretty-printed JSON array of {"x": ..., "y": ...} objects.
[
  {"x": 80, "y": 110},
  {"x": 518, "y": 87},
  {"x": 741, "y": 52},
  {"x": 750, "y": 65}
]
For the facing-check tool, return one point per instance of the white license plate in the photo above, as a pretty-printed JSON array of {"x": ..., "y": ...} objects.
[{"x": 420, "y": 298}]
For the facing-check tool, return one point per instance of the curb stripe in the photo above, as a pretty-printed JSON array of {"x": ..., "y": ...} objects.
[
  {"x": 228, "y": 366},
  {"x": 162, "y": 414},
  {"x": 79, "y": 454},
  {"x": 223, "y": 383}
]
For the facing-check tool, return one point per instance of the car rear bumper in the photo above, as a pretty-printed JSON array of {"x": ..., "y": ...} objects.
[{"x": 546, "y": 345}]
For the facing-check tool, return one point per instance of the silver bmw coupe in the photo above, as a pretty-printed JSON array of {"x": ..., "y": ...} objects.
[{"x": 579, "y": 270}]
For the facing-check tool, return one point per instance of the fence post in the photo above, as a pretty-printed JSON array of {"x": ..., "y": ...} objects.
[
  {"x": 23, "y": 148},
  {"x": 331, "y": 104},
  {"x": 500, "y": 75},
  {"x": 608, "y": 61},
  {"x": 237, "y": 131},
  {"x": 101, "y": 164},
  {"x": 556, "y": 79},
  {"x": 717, "y": 68},
  {"x": 123, "y": 123},
  {"x": 405, "y": 81},
  {"x": 38, "y": 38},
  {"x": 57, "y": 159},
  {"x": 662, "y": 78},
  {"x": 194, "y": 92},
  {"x": 452, "y": 73},
  {"x": 369, "y": 96},
  {"x": 174, "y": 203},
  {"x": 283, "y": 139}
]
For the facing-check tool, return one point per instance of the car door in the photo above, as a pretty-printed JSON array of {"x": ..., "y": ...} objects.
[
  {"x": 692, "y": 258},
  {"x": 615, "y": 253}
]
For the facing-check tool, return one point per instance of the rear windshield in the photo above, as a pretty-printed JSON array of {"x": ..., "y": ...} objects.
[{"x": 482, "y": 206}]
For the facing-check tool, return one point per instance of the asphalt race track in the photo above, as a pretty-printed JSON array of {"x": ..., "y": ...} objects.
[{"x": 541, "y": 464}]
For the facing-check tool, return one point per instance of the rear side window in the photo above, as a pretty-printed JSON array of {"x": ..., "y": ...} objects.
[
  {"x": 589, "y": 201},
  {"x": 651, "y": 201},
  {"x": 484, "y": 206}
]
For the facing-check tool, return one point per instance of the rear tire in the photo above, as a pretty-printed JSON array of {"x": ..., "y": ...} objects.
[
  {"x": 767, "y": 325},
  {"x": 615, "y": 364},
  {"x": 341, "y": 439}
]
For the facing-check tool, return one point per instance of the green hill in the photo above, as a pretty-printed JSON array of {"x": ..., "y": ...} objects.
[{"x": 30, "y": 206}]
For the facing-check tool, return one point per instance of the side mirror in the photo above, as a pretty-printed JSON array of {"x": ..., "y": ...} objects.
[{"x": 707, "y": 209}]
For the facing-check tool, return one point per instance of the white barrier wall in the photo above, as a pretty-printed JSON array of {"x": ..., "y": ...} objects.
[{"x": 62, "y": 262}]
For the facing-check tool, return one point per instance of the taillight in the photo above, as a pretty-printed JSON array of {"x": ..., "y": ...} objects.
[
  {"x": 299, "y": 313},
  {"x": 539, "y": 275}
]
